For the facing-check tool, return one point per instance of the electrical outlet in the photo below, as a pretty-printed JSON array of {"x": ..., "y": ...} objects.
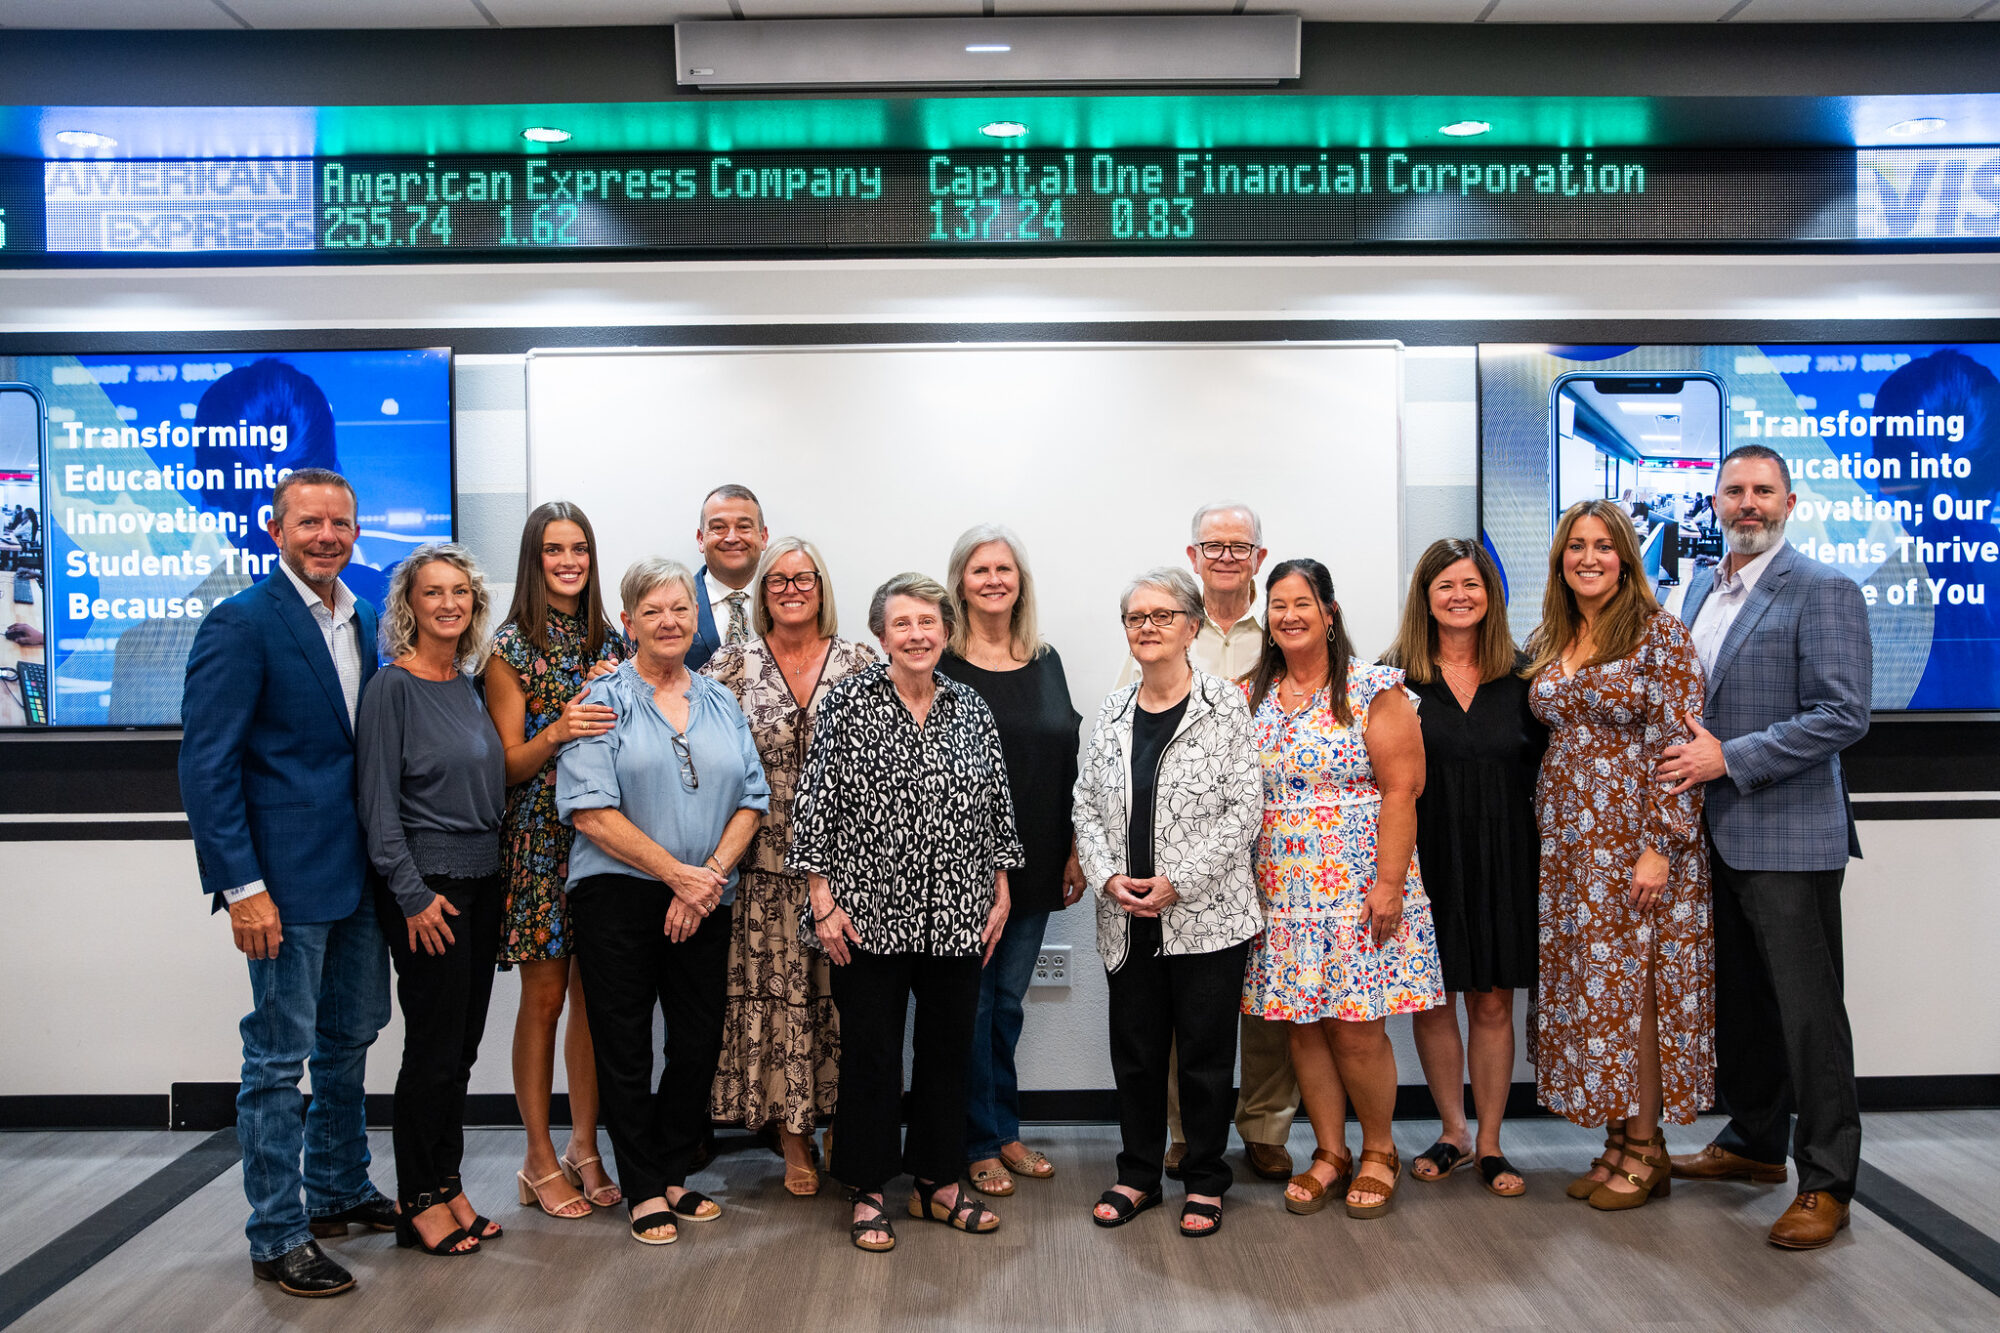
[{"x": 1051, "y": 966}]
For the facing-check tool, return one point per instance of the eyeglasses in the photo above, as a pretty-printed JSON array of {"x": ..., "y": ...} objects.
[
  {"x": 1234, "y": 550},
  {"x": 1158, "y": 619},
  {"x": 689, "y": 778},
  {"x": 805, "y": 581}
]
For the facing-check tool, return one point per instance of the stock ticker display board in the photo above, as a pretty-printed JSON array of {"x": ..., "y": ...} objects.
[{"x": 1001, "y": 201}]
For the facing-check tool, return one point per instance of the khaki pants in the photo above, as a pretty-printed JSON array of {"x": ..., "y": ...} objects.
[{"x": 1269, "y": 1100}]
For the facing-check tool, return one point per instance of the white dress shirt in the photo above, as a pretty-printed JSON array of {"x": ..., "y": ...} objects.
[
  {"x": 343, "y": 643},
  {"x": 718, "y": 606},
  {"x": 1724, "y": 603}
]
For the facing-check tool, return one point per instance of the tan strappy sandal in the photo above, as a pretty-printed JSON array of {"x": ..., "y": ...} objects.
[
  {"x": 573, "y": 1173},
  {"x": 1614, "y": 1143},
  {"x": 531, "y": 1193},
  {"x": 1363, "y": 1181},
  {"x": 1317, "y": 1194},
  {"x": 1657, "y": 1182}
]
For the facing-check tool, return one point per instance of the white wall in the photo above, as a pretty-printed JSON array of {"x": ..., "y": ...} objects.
[{"x": 1921, "y": 910}]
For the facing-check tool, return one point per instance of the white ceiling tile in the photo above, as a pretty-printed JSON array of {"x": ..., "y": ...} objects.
[
  {"x": 271, "y": 14},
  {"x": 602, "y": 13},
  {"x": 859, "y": 9},
  {"x": 1010, "y": 8},
  {"x": 1624, "y": 11},
  {"x": 1373, "y": 11},
  {"x": 1853, "y": 11},
  {"x": 132, "y": 14}
]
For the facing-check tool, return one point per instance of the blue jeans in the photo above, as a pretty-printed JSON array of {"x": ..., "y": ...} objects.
[
  {"x": 323, "y": 998},
  {"x": 992, "y": 1092}
]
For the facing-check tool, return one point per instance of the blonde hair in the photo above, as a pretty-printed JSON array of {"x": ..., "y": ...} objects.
[
  {"x": 1416, "y": 645},
  {"x": 398, "y": 632},
  {"x": 760, "y": 610},
  {"x": 1022, "y": 627},
  {"x": 1622, "y": 623}
]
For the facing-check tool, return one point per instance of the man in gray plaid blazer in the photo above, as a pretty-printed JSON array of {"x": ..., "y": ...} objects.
[{"x": 1784, "y": 642}]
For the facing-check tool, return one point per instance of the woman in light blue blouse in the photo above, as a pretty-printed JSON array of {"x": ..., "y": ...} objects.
[{"x": 666, "y": 803}]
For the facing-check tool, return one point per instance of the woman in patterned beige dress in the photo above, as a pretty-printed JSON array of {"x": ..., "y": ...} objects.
[
  {"x": 781, "y": 1036},
  {"x": 1624, "y": 1027}
]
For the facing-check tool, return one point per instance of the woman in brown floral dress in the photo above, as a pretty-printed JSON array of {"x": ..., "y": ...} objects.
[
  {"x": 556, "y": 638},
  {"x": 781, "y": 1036},
  {"x": 1624, "y": 1028}
]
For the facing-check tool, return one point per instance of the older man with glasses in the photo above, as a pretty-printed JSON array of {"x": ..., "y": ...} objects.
[{"x": 1226, "y": 548}]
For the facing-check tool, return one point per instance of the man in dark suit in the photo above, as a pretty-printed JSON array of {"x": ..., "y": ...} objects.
[
  {"x": 731, "y": 539},
  {"x": 267, "y": 777},
  {"x": 1784, "y": 641}
]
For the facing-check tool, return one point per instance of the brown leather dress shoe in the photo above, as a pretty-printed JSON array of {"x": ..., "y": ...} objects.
[
  {"x": 1813, "y": 1220},
  {"x": 1269, "y": 1160},
  {"x": 1715, "y": 1162}
]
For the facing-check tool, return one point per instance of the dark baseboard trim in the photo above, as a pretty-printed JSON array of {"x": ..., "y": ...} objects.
[
  {"x": 211, "y": 1106},
  {"x": 112, "y": 830},
  {"x": 1942, "y": 1232}
]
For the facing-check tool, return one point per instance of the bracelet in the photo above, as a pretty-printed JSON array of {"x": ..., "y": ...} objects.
[{"x": 829, "y": 912}]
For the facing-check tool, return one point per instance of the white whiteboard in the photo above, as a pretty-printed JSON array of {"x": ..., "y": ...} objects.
[{"x": 1096, "y": 454}]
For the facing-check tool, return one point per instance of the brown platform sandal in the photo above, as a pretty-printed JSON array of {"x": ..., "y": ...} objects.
[
  {"x": 1658, "y": 1180},
  {"x": 1614, "y": 1142},
  {"x": 994, "y": 1180},
  {"x": 1031, "y": 1164},
  {"x": 1362, "y": 1178},
  {"x": 1318, "y": 1194}
]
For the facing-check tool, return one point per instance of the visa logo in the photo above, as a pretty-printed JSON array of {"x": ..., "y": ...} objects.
[{"x": 1910, "y": 194}]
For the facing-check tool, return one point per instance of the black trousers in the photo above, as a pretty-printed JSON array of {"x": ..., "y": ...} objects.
[
  {"x": 1189, "y": 1004},
  {"x": 873, "y": 994},
  {"x": 1782, "y": 1043},
  {"x": 629, "y": 966},
  {"x": 444, "y": 999}
]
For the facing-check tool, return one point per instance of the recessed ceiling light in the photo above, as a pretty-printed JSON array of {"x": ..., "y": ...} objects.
[
  {"x": 85, "y": 139},
  {"x": 987, "y": 49},
  {"x": 546, "y": 134},
  {"x": 1004, "y": 129},
  {"x": 1464, "y": 129},
  {"x": 1903, "y": 129}
]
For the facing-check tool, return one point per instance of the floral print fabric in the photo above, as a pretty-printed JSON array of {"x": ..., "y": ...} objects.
[
  {"x": 534, "y": 844},
  {"x": 1315, "y": 862},
  {"x": 780, "y": 1032},
  {"x": 1598, "y": 805}
]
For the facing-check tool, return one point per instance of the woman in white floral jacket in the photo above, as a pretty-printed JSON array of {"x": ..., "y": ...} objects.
[{"x": 1168, "y": 804}]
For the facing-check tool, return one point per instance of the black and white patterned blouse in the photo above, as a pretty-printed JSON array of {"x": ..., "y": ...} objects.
[{"x": 907, "y": 823}]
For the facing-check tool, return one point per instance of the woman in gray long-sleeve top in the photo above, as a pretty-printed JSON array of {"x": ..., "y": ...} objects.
[{"x": 430, "y": 776}]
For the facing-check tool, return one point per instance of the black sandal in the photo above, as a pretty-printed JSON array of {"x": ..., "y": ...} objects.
[
  {"x": 446, "y": 1247},
  {"x": 641, "y": 1225},
  {"x": 689, "y": 1206},
  {"x": 1446, "y": 1157},
  {"x": 1496, "y": 1166},
  {"x": 1211, "y": 1211},
  {"x": 862, "y": 1226},
  {"x": 964, "y": 1215},
  {"x": 1125, "y": 1206}
]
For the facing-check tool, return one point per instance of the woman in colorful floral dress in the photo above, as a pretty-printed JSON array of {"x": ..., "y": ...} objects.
[
  {"x": 1348, "y": 938},
  {"x": 1624, "y": 1025},
  {"x": 780, "y": 1034},
  {"x": 556, "y": 638}
]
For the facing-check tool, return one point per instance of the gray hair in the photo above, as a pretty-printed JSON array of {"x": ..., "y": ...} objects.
[
  {"x": 1201, "y": 515},
  {"x": 308, "y": 476},
  {"x": 648, "y": 576},
  {"x": 1172, "y": 580},
  {"x": 760, "y": 612},
  {"x": 920, "y": 586},
  {"x": 730, "y": 491},
  {"x": 1027, "y": 639},
  {"x": 398, "y": 631}
]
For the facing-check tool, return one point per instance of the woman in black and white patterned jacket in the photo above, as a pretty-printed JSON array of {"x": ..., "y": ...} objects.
[
  {"x": 904, "y": 828},
  {"x": 1168, "y": 804}
]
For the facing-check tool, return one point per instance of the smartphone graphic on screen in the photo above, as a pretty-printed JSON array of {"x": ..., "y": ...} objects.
[
  {"x": 1649, "y": 443},
  {"x": 24, "y": 602}
]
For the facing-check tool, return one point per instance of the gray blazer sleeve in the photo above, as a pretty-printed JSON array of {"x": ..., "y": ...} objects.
[{"x": 1836, "y": 682}]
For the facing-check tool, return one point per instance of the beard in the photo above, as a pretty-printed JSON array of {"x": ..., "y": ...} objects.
[{"x": 1755, "y": 543}]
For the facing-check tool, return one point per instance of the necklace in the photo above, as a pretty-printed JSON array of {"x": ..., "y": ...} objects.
[{"x": 1462, "y": 672}]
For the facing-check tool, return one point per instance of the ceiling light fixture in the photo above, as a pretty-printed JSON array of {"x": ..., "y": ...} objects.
[
  {"x": 546, "y": 134},
  {"x": 987, "y": 49},
  {"x": 1003, "y": 129},
  {"x": 84, "y": 139},
  {"x": 1904, "y": 129},
  {"x": 1464, "y": 129}
]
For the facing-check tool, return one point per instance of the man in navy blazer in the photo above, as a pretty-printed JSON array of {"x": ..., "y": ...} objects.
[
  {"x": 267, "y": 777},
  {"x": 1784, "y": 641},
  {"x": 731, "y": 539}
]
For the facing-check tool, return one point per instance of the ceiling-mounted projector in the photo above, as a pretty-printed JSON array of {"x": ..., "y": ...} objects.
[{"x": 1252, "y": 49}]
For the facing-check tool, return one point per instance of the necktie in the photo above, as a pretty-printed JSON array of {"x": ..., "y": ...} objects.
[{"x": 739, "y": 622}]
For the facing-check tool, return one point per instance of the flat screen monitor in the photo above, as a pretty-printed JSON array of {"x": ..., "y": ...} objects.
[{"x": 135, "y": 493}]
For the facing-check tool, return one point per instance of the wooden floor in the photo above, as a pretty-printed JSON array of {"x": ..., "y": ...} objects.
[{"x": 1449, "y": 1256}]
